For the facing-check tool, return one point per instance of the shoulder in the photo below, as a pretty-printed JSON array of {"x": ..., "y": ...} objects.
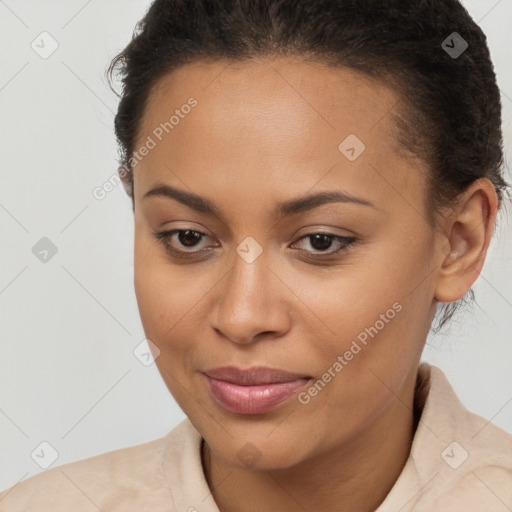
[
  {"x": 478, "y": 475},
  {"x": 116, "y": 480},
  {"x": 486, "y": 487},
  {"x": 480, "y": 468},
  {"x": 464, "y": 460}
]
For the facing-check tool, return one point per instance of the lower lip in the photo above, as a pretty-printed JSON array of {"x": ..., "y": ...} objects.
[{"x": 252, "y": 399}]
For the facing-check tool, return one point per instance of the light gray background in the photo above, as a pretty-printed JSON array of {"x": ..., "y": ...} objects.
[{"x": 68, "y": 327}]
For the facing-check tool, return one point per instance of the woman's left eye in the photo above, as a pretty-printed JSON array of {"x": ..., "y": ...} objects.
[{"x": 321, "y": 243}]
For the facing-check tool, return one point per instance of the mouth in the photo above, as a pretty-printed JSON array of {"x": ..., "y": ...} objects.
[
  {"x": 253, "y": 391},
  {"x": 254, "y": 376}
]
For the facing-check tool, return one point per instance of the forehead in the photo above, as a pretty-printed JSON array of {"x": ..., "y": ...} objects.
[
  {"x": 274, "y": 93},
  {"x": 280, "y": 121}
]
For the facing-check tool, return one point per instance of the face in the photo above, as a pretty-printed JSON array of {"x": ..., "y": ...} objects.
[{"x": 340, "y": 290}]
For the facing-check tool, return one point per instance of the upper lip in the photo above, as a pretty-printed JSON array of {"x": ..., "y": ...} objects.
[{"x": 253, "y": 376}]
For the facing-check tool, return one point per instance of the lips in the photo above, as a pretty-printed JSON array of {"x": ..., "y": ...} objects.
[
  {"x": 253, "y": 390},
  {"x": 254, "y": 376}
]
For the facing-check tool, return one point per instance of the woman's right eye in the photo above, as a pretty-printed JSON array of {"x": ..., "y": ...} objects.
[{"x": 176, "y": 238}]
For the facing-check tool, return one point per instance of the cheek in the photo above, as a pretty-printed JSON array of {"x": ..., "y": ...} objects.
[
  {"x": 163, "y": 307},
  {"x": 375, "y": 315},
  {"x": 155, "y": 289},
  {"x": 376, "y": 343},
  {"x": 352, "y": 296},
  {"x": 168, "y": 295}
]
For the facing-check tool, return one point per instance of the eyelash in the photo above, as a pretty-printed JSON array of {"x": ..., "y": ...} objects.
[{"x": 164, "y": 236}]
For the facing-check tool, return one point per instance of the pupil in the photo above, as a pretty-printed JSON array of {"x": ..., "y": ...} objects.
[
  {"x": 183, "y": 236},
  {"x": 322, "y": 246}
]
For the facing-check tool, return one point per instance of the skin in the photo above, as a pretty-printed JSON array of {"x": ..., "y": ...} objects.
[{"x": 268, "y": 131}]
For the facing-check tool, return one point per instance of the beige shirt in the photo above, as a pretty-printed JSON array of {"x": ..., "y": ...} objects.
[{"x": 458, "y": 462}]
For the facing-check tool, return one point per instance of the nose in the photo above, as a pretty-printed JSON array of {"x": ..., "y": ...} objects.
[{"x": 251, "y": 303}]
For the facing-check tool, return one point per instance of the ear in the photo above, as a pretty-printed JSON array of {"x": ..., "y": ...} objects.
[
  {"x": 125, "y": 174},
  {"x": 468, "y": 234}
]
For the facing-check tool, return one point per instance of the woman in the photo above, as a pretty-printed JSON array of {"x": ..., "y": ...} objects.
[{"x": 250, "y": 131}]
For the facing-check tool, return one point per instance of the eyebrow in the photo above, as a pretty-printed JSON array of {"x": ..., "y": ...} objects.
[{"x": 283, "y": 209}]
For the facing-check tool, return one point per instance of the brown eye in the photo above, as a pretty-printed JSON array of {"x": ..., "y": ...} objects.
[
  {"x": 322, "y": 242},
  {"x": 176, "y": 240},
  {"x": 188, "y": 238}
]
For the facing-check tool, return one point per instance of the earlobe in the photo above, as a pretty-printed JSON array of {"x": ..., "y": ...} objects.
[{"x": 470, "y": 229}]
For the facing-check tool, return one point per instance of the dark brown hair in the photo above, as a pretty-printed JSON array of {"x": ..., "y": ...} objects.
[{"x": 450, "y": 109}]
